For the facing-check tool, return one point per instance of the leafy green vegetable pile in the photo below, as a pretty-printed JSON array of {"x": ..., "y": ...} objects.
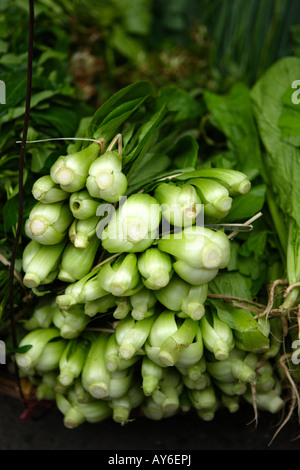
[{"x": 140, "y": 300}]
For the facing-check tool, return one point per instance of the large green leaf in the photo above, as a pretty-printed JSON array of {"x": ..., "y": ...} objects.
[{"x": 282, "y": 160}]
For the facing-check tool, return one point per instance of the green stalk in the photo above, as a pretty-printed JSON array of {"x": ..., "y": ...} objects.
[
  {"x": 95, "y": 411},
  {"x": 194, "y": 371},
  {"x": 82, "y": 231},
  {"x": 71, "y": 171},
  {"x": 122, "y": 327},
  {"x": 71, "y": 362},
  {"x": 193, "y": 354},
  {"x": 73, "y": 292},
  {"x": 106, "y": 180},
  {"x": 232, "y": 369},
  {"x": 231, "y": 403},
  {"x": 205, "y": 402},
  {"x": 122, "y": 309},
  {"x": 113, "y": 360},
  {"x": 121, "y": 276},
  {"x": 142, "y": 302},
  {"x": 123, "y": 406},
  {"x": 185, "y": 402},
  {"x": 120, "y": 382},
  {"x": 102, "y": 305},
  {"x": 39, "y": 261},
  {"x": 37, "y": 339},
  {"x": 163, "y": 327},
  {"x": 70, "y": 322},
  {"x": 76, "y": 413},
  {"x": 269, "y": 401},
  {"x": 155, "y": 268},
  {"x": 217, "y": 336},
  {"x": 48, "y": 223},
  {"x": 152, "y": 410},
  {"x": 231, "y": 389},
  {"x": 133, "y": 226},
  {"x": 266, "y": 379},
  {"x": 193, "y": 304},
  {"x": 197, "y": 246},
  {"x": 58, "y": 387},
  {"x": 194, "y": 276},
  {"x": 95, "y": 376},
  {"x": 135, "y": 338},
  {"x": 82, "y": 396},
  {"x": 46, "y": 191},
  {"x": 172, "y": 347},
  {"x": 91, "y": 289},
  {"x": 214, "y": 196},
  {"x": 275, "y": 338},
  {"x": 45, "y": 389},
  {"x": 77, "y": 262},
  {"x": 50, "y": 357},
  {"x": 151, "y": 374},
  {"x": 180, "y": 296},
  {"x": 180, "y": 204},
  {"x": 235, "y": 181},
  {"x": 200, "y": 383},
  {"x": 42, "y": 314},
  {"x": 82, "y": 205},
  {"x": 73, "y": 417},
  {"x": 168, "y": 392}
]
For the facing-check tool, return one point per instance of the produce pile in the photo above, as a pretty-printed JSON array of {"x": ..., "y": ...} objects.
[{"x": 146, "y": 296}]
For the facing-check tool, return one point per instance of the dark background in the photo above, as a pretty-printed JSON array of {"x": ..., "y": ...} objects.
[{"x": 45, "y": 431}]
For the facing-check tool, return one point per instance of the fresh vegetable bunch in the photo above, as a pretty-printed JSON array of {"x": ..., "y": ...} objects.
[{"x": 131, "y": 262}]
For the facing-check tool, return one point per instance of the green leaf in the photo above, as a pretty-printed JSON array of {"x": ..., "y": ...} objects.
[
  {"x": 146, "y": 136},
  {"x": 255, "y": 243},
  {"x": 39, "y": 156},
  {"x": 111, "y": 124},
  {"x": 233, "y": 284},
  {"x": 64, "y": 120},
  {"x": 3, "y": 46},
  {"x": 250, "y": 335},
  {"x": 126, "y": 45},
  {"x": 247, "y": 205},
  {"x": 139, "y": 90},
  {"x": 233, "y": 116},
  {"x": 15, "y": 91},
  {"x": 289, "y": 119},
  {"x": 180, "y": 102},
  {"x": 289, "y": 123},
  {"x": 249, "y": 266},
  {"x": 20, "y": 350},
  {"x": 236, "y": 318},
  {"x": 185, "y": 152},
  {"x": 10, "y": 213},
  {"x": 152, "y": 166},
  {"x": 233, "y": 261},
  {"x": 282, "y": 160}
]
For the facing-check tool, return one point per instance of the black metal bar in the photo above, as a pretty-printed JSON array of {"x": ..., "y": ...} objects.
[{"x": 21, "y": 170}]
